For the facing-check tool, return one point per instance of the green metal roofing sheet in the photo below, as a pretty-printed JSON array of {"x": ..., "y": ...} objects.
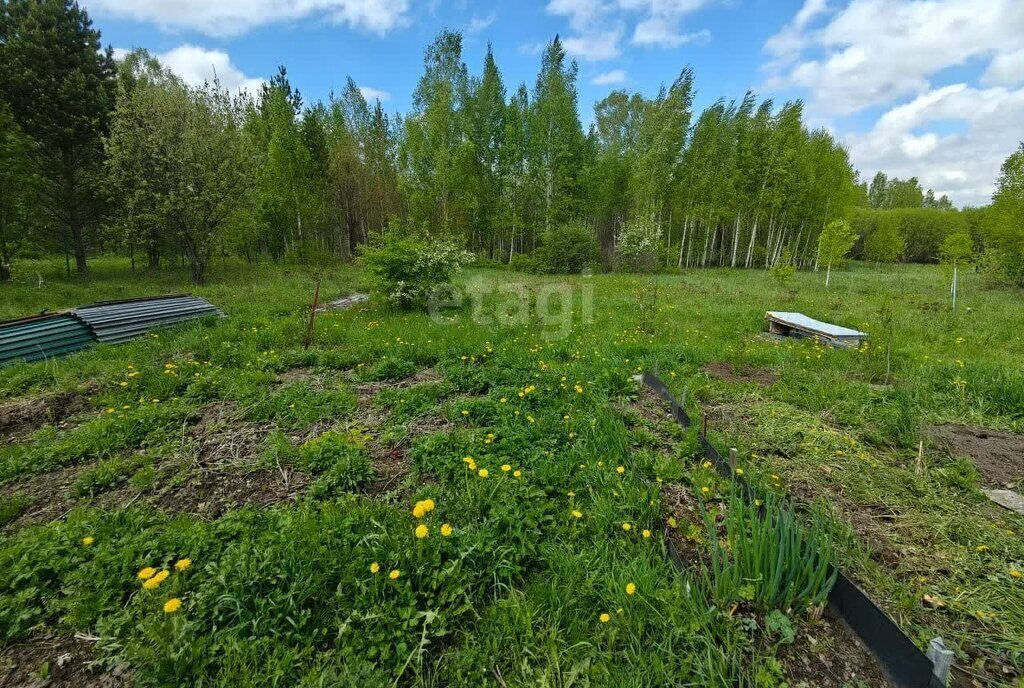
[{"x": 44, "y": 336}]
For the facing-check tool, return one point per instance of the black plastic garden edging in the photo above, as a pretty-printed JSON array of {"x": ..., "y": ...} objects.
[{"x": 905, "y": 664}]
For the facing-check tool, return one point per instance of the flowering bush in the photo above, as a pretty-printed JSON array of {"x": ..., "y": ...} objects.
[
  {"x": 406, "y": 271},
  {"x": 636, "y": 245}
]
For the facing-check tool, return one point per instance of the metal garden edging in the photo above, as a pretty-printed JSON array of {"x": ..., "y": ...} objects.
[{"x": 902, "y": 660}]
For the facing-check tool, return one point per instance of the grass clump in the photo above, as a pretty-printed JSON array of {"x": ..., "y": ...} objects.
[
  {"x": 341, "y": 458},
  {"x": 768, "y": 557}
]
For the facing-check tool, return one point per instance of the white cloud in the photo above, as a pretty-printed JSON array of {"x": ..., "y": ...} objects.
[
  {"x": 615, "y": 76},
  {"x": 963, "y": 164},
  {"x": 598, "y": 25},
  {"x": 898, "y": 56},
  {"x": 478, "y": 24},
  {"x": 235, "y": 17},
  {"x": 873, "y": 51},
  {"x": 371, "y": 94},
  {"x": 196, "y": 65},
  {"x": 658, "y": 32},
  {"x": 1006, "y": 69},
  {"x": 594, "y": 47}
]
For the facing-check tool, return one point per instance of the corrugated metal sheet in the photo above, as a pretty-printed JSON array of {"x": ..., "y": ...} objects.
[
  {"x": 42, "y": 336},
  {"x": 119, "y": 321}
]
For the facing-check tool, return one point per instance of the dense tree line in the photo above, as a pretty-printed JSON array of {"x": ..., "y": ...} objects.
[{"x": 125, "y": 157}]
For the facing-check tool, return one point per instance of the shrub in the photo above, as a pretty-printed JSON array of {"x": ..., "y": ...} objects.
[
  {"x": 524, "y": 262},
  {"x": 568, "y": 249},
  {"x": 636, "y": 245},
  {"x": 406, "y": 271}
]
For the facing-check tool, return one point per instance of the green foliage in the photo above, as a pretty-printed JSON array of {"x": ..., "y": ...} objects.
[
  {"x": 769, "y": 557},
  {"x": 406, "y": 272},
  {"x": 1006, "y": 219},
  {"x": 885, "y": 244},
  {"x": 524, "y": 262},
  {"x": 106, "y": 474},
  {"x": 59, "y": 83},
  {"x": 834, "y": 242},
  {"x": 12, "y": 506},
  {"x": 636, "y": 246},
  {"x": 295, "y": 405},
  {"x": 783, "y": 270},
  {"x": 567, "y": 249}
]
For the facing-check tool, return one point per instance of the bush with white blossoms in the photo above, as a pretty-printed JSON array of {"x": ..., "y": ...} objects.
[
  {"x": 636, "y": 245},
  {"x": 406, "y": 271}
]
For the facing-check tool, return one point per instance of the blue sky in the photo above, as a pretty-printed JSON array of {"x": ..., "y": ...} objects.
[{"x": 929, "y": 88}]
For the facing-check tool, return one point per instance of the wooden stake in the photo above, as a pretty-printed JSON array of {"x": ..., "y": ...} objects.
[
  {"x": 920, "y": 457},
  {"x": 733, "y": 454},
  {"x": 312, "y": 316}
]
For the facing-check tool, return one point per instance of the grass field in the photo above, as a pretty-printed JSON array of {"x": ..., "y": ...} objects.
[{"x": 282, "y": 494}]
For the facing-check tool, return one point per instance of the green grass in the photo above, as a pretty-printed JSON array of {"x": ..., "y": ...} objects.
[{"x": 284, "y": 595}]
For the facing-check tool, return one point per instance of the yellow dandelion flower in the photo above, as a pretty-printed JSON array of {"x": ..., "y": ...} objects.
[
  {"x": 571, "y": 493},
  {"x": 182, "y": 564},
  {"x": 1015, "y": 573},
  {"x": 483, "y": 473},
  {"x": 577, "y": 514},
  {"x": 374, "y": 567},
  {"x": 88, "y": 540},
  {"x": 517, "y": 474},
  {"x": 706, "y": 464},
  {"x": 630, "y": 588},
  {"x": 146, "y": 573},
  {"x": 739, "y": 471},
  {"x": 428, "y": 505},
  {"x": 422, "y": 531},
  {"x": 395, "y": 573},
  {"x": 646, "y": 533},
  {"x": 418, "y": 511},
  {"x": 172, "y": 605},
  {"x": 627, "y": 526},
  {"x": 620, "y": 470},
  {"x": 465, "y": 412},
  {"x": 605, "y": 617},
  {"x": 154, "y": 582},
  {"x": 505, "y": 467},
  {"x": 446, "y": 530},
  {"x": 705, "y": 489}
]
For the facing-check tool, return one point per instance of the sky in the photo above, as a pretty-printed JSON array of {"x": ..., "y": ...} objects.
[{"x": 925, "y": 88}]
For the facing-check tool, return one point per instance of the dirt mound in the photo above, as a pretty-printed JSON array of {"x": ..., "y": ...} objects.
[
  {"x": 22, "y": 416},
  {"x": 998, "y": 455},
  {"x": 732, "y": 373},
  {"x": 57, "y": 662}
]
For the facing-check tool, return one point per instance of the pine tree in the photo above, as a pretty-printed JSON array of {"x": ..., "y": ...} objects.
[{"x": 60, "y": 86}]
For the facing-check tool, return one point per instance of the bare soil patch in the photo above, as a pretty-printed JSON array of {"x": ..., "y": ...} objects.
[
  {"x": 57, "y": 661},
  {"x": 998, "y": 455},
  {"x": 732, "y": 373},
  {"x": 22, "y": 416},
  {"x": 828, "y": 654}
]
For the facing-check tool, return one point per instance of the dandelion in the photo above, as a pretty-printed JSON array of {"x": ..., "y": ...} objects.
[
  {"x": 706, "y": 464},
  {"x": 88, "y": 540},
  {"x": 374, "y": 567},
  {"x": 154, "y": 582},
  {"x": 571, "y": 493},
  {"x": 395, "y": 573},
  {"x": 646, "y": 533},
  {"x": 428, "y": 505},
  {"x": 146, "y": 573},
  {"x": 1015, "y": 573},
  {"x": 579, "y": 389},
  {"x": 705, "y": 489},
  {"x": 620, "y": 470},
  {"x": 422, "y": 531},
  {"x": 446, "y": 530},
  {"x": 630, "y": 588},
  {"x": 182, "y": 564},
  {"x": 418, "y": 511},
  {"x": 172, "y": 605},
  {"x": 465, "y": 412},
  {"x": 605, "y": 617},
  {"x": 505, "y": 467},
  {"x": 503, "y": 400},
  {"x": 517, "y": 474},
  {"x": 739, "y": 471},
  {"x": 757, "y": 502},
  {"x": 627, "y": 526},
  {"x": 577, "y": 514},
  {"x": 483, "y": 473}
]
